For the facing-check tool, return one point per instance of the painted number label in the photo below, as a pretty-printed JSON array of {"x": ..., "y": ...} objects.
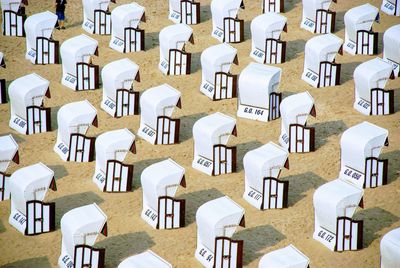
[
  {"x": 324, "y": 235},
  {"x": 63, "y": 148},
  {"x": 352, "y": 174},
  {"x": 258, "y": 53},
  {"x": 253, "y": 194},
  {"x": 151, "y": 215},
  {"x": 204, "y": 162},
  {"x": 109, "y": 104},
  {"x": 148, "y": 131},
  {"x": 311, "y": 76},
  {"x": 253, "y": 111},
  {"x": 208, "y": 87},
  {"x": 204, "y": 253},
  {"x": 19, "y": 122}
]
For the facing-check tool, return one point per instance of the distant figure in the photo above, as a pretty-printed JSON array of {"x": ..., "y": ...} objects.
[{"x": 60, "y": 8}]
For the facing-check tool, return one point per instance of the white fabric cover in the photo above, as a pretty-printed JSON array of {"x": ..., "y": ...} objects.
[
  {"x": 124, "y": 16},
  {"x": 390, "y": 248},
  {"x": 160, "y": 179},
  {"x": 371, "y": 74},
  {"x": 359, "y": 142},
  {"x": 265, "y": 161},
  {"x": 38, "y": 25},
  {"x": 268, "y": 25},
  {"x": 25, "y": 182},
  {"x": 359, "y": 18},
  {"x": 117, "y": 75},
  {"x": 108, "y": 143},
  {"x": 8, "y": 149},
  {"x": 321, "y": 48},
  {"x": 158, "y": 101},
  {"x": 310, "y": 8},
  {"x": 216, "y": 58},
  {"x": 335, "y": 199},
  {"x": 212, "y": 130},
  {"x": 10, "y": 5},
  {"x": 295, "y": 109},
  {"x": 287, "y": 257},
  {"x": 26, "y": 91},
  {"x": 256, "y": 82},
  {"x": 221, "y": 9},
  {"x": 391, "y": 44},
  {"x": 77, "y": 223},
  {"x": 173, "y": 37},
  {"x": 213, "y": 217},
  {"x": 76, "y": 49},
  {"x": 70, "y": 116},
  {"x": 147, "y": 259},
  {"x": 89, "y": 6}
]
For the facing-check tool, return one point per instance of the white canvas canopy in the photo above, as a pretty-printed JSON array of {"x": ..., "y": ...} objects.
[
  {"x": 212, "y": 130},
  {"x": 359, "y": 142},
  {"x": 10, "y": 5},
  {"x": 28, "y": 90},
  {"x": 112, "y": 145},
  {"x": 157, "y": 101},
  {"x": 369, "y": 75},
  {"x": 80, "y": 226},
  {"x": 74, "y": 50},
  {"x": 335, "y": 199},
  {"x": 147, "y": 259},
  {"x": 268, "y": 25},
  {"x": 310, "y": 8},
  {"x": 173, "y": 37},
  {"x": 75, "y": 117},
  {"x": 38, "y": 25},
  {"x": 26, "y": 184},
  {"x": 391, "y": 47},
  {"x": 390, "y": 248},
  {"x": 159, "y": 180},
  {"x": 265, "y": 161},
  {"x": 8, "y": 151},
  {"x": 218, "y": 217},
  {"x": 221, "y": 9},
  {"x": 118, "y": 74},
  {"x": 295, "y": 110},
  {"x": 287, "y": 257},
  {"x": 256, "y": 82},
  {"x": 356, "y": 19}
]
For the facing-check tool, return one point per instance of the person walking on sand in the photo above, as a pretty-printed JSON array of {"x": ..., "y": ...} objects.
[{"x": 60, "y": 8}]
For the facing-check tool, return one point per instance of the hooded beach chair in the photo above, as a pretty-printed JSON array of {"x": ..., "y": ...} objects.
[
  {"x": 160, "y": 181},
  {"x": 317, "y": 18},
  {"x": 3, "y": 88},
  {"x": 96, "y": 16},
  {"x": 28, "y": 188},
  {"x": 74, "y": 120},
  {"x": 119, "y": 98},
  {"x": 361, "y": 146},
  {"x": 111, "y": 173},
  {"x": 370, "y": 79},
  {"x": 211, "y": 153},
  {"x": 258, "y": 97},
  {"x": 226, "y": 25},
  {"x": 320, "y": 68},
  {"x": 78, "y": 71},
  {"x": 79, "y": 228},
  {"x": 359, "y": 37},
  {"x": 335, "y": 204},
  {"x": 217, "y": 82},
  {"x": 390, "y": 248},
  {"x": 28, "y": 114},
  {"x": 13, "y": 17},
  {"x": 40, "y": 46},
  {"x": 273, "y": 6},
  {"x": 184, "y": 11},
  {"x": 262, "y": 167},
  {"x": 156, "y": 123},
  {"x": 217, "y": 221},
  {"x": 287, "y": 257},
  {"x": 391, "y": 7},
  {"x": 8, "y": 154},
  {"x": 174, "y": 60},
  {"x": 295, "y": 136},
  {"x": 267, "y": 46},
  {"x": 391, "y": 48},
  {"x": 147, "y": 259},
  {"x": 126, "y": 36}
]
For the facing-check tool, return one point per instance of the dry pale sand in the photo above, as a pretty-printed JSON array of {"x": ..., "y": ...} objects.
[{"x": 265, "y": 230}]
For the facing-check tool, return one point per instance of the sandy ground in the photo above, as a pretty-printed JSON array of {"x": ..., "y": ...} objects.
[{"x": 265, "y": 230}]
